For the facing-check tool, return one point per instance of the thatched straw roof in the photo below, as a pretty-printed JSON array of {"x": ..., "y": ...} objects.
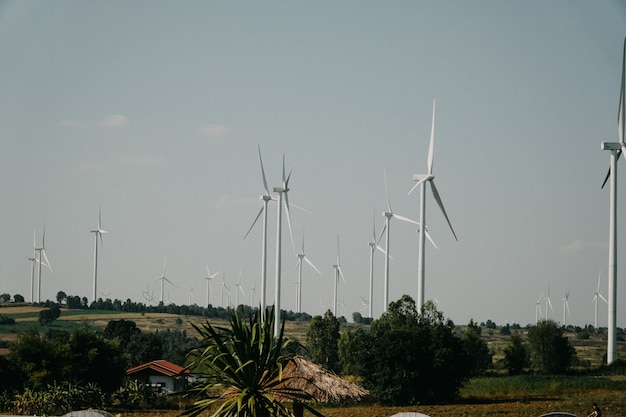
[{"x": 322, "y": 385}]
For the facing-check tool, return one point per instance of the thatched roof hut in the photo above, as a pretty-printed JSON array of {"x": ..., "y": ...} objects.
[{"x": 322, "y": 385}]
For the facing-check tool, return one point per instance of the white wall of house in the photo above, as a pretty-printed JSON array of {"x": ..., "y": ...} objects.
[{"x": 165, "y": 381}]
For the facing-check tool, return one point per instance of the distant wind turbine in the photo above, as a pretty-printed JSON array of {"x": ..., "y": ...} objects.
[
  {"x": 42, "y": 259},
  {"x": 389, "y": 214},
  {"x": 374, "y": 246},
  {"x": 302, "y": 257},
  {"x": 596, "y": 296},
  {"x": 421, "y": 180},
  {"x": 208, "y": 278},
  {"x": 190, "y": 294},
  {"x": 566, "y": 311},
  {"x": 33, "y": 261},
  {"x": 283, "y": 199},
  {"x": 238, "y": 285},
  {"x": 616, "y": 148},
  {"x": 338, "y": 273},
  {"x": 163, "y": 279},
  {"x": 538, "y": 314},
  {"x": 98, "y": 236},
  {"x": 548, "y": 303}
]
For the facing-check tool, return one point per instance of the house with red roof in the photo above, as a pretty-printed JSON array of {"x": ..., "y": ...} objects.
[{"x": 162, "y": 375}]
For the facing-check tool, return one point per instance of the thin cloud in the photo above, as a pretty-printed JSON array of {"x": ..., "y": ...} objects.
[
  {"x": 111, "y": 121},
  {"x": 140, "y": 159},
  {"x": 228, "y": 201},
  {"x": 579, "y": 246},
  {"x": 114, "y": 120},
  {"x": 216, "y": 131}
]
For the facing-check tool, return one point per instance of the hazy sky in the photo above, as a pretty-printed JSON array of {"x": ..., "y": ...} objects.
[{"x": 154, "y": 110}]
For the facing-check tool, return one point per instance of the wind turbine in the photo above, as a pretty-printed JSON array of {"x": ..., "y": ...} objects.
[
  {"x": 301, "y": 257},
  {"x": 208, "y": 278},
  {"x": 163, "y": 279},
  {"x": 252, "y": 292},
  {"x": 548, "y": 303},
  {"x": 389, "y": 214},
  {"x": 538, "y": 314},
  {"x": 373, "y": 247},
  {"x": 238, "y": 285},
  {"x": 283, "y": 198},
  {"x": 41, "y": 259},
  {"x": 421, "y": 180},
  {"x": 616, "y": 149},
  {"x": 338, "y": 273},
  {"x": 190, "y": 294},
  {"x": 98, "y": 236},
  {"x": 597, "y": 295},
  {"x": 266, "y": 199},
  {"x": 566, "y": 311}
]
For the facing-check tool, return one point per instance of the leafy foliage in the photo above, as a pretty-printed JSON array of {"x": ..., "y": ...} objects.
[
  {"x": 551, "y": 351},
  {"x": 516, "y": 355},
  {"x": 322, "y": 341},
  {"x": 241, "y": 367},
  {"x": 414, "y": 358},
  {"x": 476, "y": 349}
]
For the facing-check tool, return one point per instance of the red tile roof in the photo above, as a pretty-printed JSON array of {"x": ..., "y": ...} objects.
[{"x": 161, "y": 366}]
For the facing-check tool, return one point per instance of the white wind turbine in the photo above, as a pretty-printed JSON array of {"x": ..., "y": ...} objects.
[
  {"x": 238, "y": 285},
  {"x": 421, "y": 180},
  {"x": 373, "y": 247},
  {"x": 596, "y": 296},
  {"x": 98, "y": 236},
  {"x": 252, "y": 293},
  {"x": 538, "y": 314},
  {"x": 209, "y": 277},
  {"x": 338, "y": 273},
  {"x": 302, "y": 257},
  {"x": 163, "y": 279},
  {"x": 616, "y": 149},
  {"x": 548, "y": 303},
  {"x": 266, "y": 199},
  {"x": 42, "y": 259},
  {"x": 190, "y": 294},
  {"x": 566, "y": 311},
  {"x": 222, "y": 286},
  {"x": 389, "y": 214},
  {"x": 283, "y": 199}
]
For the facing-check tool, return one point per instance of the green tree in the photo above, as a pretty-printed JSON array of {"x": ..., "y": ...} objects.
[
  {"x": 353, "y": 348},
  {"x": 322, "y": 341},
  {"x": 245, "y": 361},
  {"x": 5, "y": 297},
  {"x": 61, "y": 296},
  {"x": 516, "y": 355},
  {"x": 476, "y": 349},
  {"x": 18, "y": 298},
  {"x": 414, "y": 357},
  {"x": 35, "y": 358},
  {"x": 551, "y": 352}
]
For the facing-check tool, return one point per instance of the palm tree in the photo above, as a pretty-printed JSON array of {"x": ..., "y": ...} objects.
[{"x": 241, "y": 367}]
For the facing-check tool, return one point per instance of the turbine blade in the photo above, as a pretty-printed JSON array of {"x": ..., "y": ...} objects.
[
  {"x": 267, "y": 190},
  {"x": 301, "y": 208},
  {"x": 312, "y": 266},
  {"x": 293, "y": 244},
  {"x": 430, "y": 239},
  {"x": 341, "y": 273},
  {"x": 382, "y": 232},
  {"x": 422, "y": 178},
  {"x": 378, "y": 247},
  {"x": 603, "y": 299},
  {"x": 387, "y": 192},
  {"x": 47, "y": 262},
  {"x": 404, "y": 219},
  {"x": 431, "y": 146},
  {"x": 254, "y": 222},
  {"x": 440, "y": 204},
  {"x": 608, "y": 174}
]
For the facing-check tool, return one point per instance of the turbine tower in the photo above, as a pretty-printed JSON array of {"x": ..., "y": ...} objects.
[
  {"x": 283, "y": 198},
  {"x": 238, "y": 285},
  {"x": 163, "y": 279},
  {"x": 616, "y": 148},
  {"x": 548, "y": 303},
  {"x": 208, "y": 278},
  {"x": 597, "y": 295},
  {"x": 266, "y": 199},
  {"x": 338, "y": 273},
  {"x": 421, "y": 180},
  {"x": 98, "y": 236},
  {"x": 302, "y": 257},
  {"x": 33, "y": 261}
]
